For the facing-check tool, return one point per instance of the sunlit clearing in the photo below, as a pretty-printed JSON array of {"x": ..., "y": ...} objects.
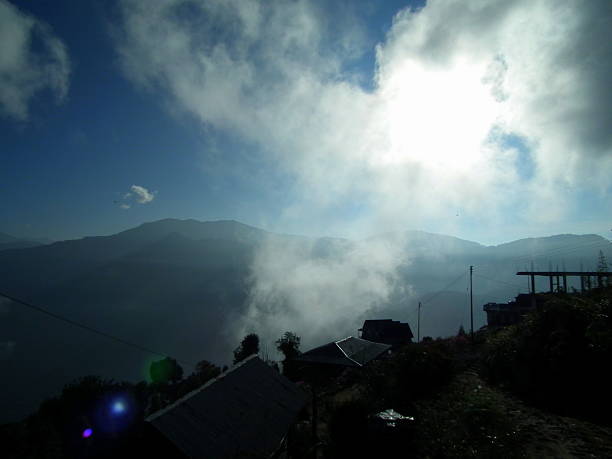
[{"x": 436, "y": 117}]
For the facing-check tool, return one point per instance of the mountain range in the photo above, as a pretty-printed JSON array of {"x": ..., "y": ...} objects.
[
  {"x": 190, "y": 289},
  {"x": 11, "y": 242}
]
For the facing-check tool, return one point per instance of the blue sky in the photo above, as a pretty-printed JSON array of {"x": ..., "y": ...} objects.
[{"x": 331, "y": 120}]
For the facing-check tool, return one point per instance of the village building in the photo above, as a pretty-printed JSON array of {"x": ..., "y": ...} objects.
[
  {"x": 512, "y": 312},
  {"x": 245, "y": 412},
  {"x": 386, "y": 331}
]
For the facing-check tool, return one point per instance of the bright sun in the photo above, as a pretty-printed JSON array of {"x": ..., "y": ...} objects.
[{"x": 436, "y": 117}]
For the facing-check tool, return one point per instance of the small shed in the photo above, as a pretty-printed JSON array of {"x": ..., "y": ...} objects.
[
  {"x": 246, "y": 411},
  {"x": 386, "y": 331},
  {"x": 347, "y": 352}
]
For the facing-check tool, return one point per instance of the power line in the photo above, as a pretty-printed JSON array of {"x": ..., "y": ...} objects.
[
  {"x": 89, "y": 328},
  {"x": 499, "y": 281},
  {"x": 551, "y": 252},
  {"x": 450, "y": 284},
  {"x": 560, "y": 251}
]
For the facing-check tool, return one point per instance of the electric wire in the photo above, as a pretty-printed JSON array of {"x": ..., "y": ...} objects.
[
  {"x": 89, "y": 328},
  {"x": 551, "y": 252},
  {"x": 450, "y": 284},
  {"x": 499, "y": 281}
]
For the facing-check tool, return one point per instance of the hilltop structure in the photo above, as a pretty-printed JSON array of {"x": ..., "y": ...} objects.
[
  {"x": 386, "y": 331},
  {"x": 502, "y": 314}
]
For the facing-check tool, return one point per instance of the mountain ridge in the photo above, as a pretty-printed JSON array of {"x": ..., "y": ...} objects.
[{"x": 185, "y": 286}]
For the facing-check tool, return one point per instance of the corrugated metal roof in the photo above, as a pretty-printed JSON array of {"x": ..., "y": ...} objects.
[
  {"x": 247, "y": 409},
  {"x": 350, "y": 352}
]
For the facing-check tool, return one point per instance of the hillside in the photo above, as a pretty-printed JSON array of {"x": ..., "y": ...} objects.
[
  {"x": 8, "y": 242},
  {"x": 534, "y": 389},
  {"x": 191, "y": 289}
]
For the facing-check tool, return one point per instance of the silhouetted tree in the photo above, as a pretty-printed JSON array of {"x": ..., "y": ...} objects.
[
  {"x": 204, "y": 372},
  {"x": 165, "y": 370},
  {"x": 207, "y": 370},
  {"x": 248, "y": 346},
  {"x": 289, "y": 345},
  {"x": 602, "y": 267},
  {"x": 461, "y": 331}
]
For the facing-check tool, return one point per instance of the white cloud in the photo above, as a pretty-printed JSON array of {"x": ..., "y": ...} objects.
[
  {"x": 420, "y": 143},
  {"x": 25, "y": 72},
  {"x": 451, "y": 81},
  {"x": 143, "y": 195},
  {"x": 137, "y": 195},
  {"x": 322, "y": 287}
]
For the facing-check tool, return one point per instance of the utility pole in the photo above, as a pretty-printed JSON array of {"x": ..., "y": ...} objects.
[
  {"x": 419, "y": 324},
  {"x": 471, "y": 305}
]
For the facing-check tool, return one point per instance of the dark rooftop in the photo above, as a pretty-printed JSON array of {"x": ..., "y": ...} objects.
[
  {"x": 350, "y": 352},
  {"x": 246, "y": 410}
]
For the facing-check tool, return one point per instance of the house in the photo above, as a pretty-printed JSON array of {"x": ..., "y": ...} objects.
[
  {"x": 245, "y": 412},
  {"x": 347, "y": 352},
  {"x": 386, "y": 331},
  {"x": 501, "y": 314}
]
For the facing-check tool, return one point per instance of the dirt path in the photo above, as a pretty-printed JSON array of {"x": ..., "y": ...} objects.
[{"x": 548, "y": 435}]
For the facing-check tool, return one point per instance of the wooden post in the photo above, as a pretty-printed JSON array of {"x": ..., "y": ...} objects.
[
  {"x": 419, "y": 324},
  {"x": 550, "y": 281},
  {"x": 471, "y": 305},
  {"x": 565, "y": 284}
]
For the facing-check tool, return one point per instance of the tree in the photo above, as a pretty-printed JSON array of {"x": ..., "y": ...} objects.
[
  {"x": 248, "y": 346},
  {"x": 165, "y": 370},
  {"x": 602, "y": 267},
  {"x": 289, "y": 345},
  {"x": 206, "y": 370}
]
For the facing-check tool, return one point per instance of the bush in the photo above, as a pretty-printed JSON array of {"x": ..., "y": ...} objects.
[
  {"x": 417, "y": 371},
  {"x": 558, "y": 355}
]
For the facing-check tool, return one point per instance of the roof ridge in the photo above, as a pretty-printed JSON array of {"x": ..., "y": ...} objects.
[
  {"x": 342, "y": 350},
  {"x": 188, "y": 395}
]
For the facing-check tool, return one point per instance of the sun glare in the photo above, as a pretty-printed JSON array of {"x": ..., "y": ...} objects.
[{"x": 437, "y": 118}]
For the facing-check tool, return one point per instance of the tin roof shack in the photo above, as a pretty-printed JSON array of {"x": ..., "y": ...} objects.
[
  {"x": 502, "y": 314},
  {"x": 347, "y": 352},
  {"x": 332, "y": 359},
  {"x": 386, "y": 331},
  {"x": 245, "y": 412}
]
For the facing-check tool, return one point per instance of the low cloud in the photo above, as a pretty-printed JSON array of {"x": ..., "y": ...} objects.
[
  {"x": 25, "y": 71},
  {"x": 323, "y": 287}
]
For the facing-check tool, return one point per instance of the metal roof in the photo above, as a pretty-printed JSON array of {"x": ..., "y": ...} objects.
[
  {"x": 246, "y": 410},
  {"x": 350, "y": 352}
]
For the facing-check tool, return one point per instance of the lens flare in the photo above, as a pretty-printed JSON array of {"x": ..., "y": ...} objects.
[
  {"x": 87, "y": 433},
  {"x": 118, "y": 407}
]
